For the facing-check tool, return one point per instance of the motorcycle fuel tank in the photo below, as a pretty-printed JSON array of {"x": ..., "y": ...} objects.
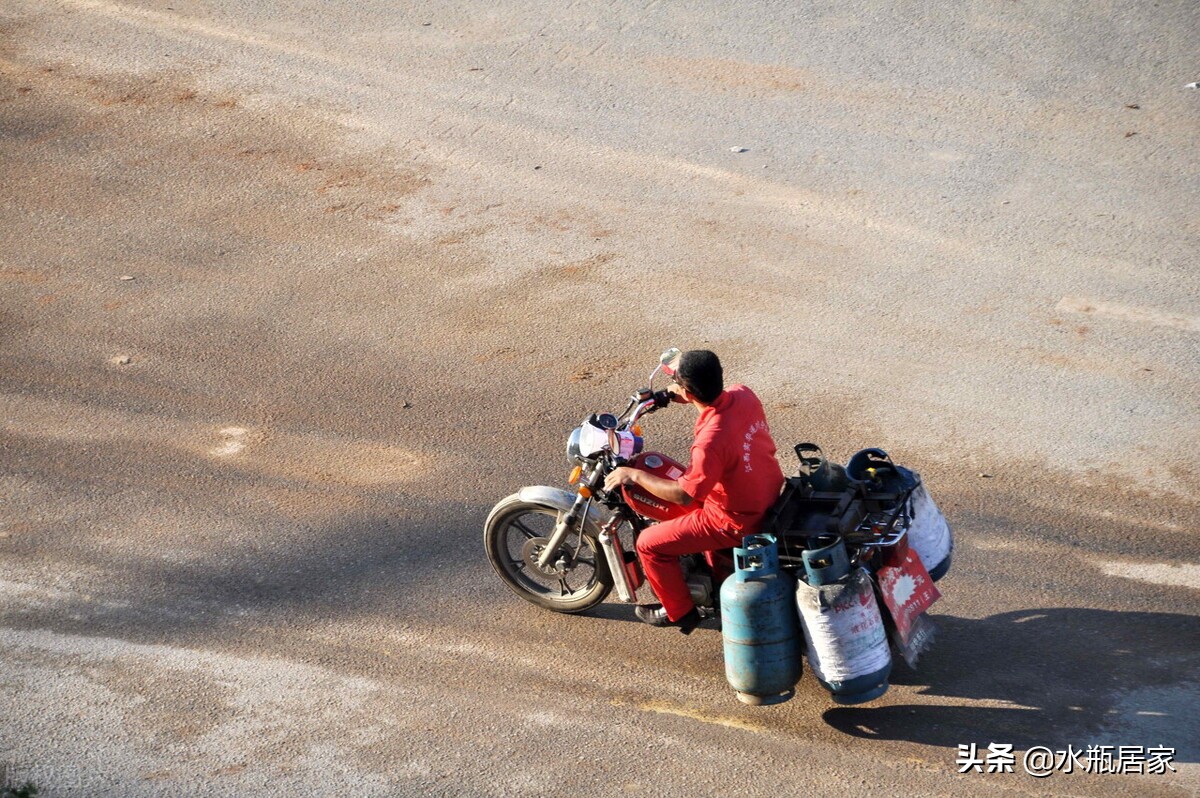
[{"x": 646, "y": 504}]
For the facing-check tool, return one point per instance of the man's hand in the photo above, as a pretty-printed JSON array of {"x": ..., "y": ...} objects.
[
  {"x": 621, "y": 476},
  {"x": 662, "y": 488}
]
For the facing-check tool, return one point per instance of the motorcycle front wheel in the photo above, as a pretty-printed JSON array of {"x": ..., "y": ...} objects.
[{"x": 517, "y": 532}]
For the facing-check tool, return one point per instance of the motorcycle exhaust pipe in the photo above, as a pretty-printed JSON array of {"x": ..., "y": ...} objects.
[{"x": 615, "y": 557}]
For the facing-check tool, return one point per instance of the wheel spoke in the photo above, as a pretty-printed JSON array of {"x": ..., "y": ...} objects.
[{"x": 529, "y": 533}]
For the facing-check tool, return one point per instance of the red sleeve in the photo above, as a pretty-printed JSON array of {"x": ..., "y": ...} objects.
[{"x": 705, "y": 470}]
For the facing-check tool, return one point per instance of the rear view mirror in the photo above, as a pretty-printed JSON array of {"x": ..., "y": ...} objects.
[{"x": 663, "y": 360}]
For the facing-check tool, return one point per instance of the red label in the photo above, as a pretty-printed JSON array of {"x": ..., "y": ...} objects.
[{"x": 907, "y": 591}]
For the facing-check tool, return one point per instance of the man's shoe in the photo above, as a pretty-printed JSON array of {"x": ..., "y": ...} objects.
[{"x": 655, "y": 615}]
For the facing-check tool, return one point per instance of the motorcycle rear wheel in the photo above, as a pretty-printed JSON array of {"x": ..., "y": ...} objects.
[{"x": 512, "y": 537}]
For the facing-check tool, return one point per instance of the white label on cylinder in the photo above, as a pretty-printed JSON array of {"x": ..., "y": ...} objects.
[{"x": 846, "y": 638}]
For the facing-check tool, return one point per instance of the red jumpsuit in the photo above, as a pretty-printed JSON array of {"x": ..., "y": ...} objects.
[{"x": 733, "y": 471}]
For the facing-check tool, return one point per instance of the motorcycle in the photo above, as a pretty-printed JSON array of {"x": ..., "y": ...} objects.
[{"x": 562, "y": 549}]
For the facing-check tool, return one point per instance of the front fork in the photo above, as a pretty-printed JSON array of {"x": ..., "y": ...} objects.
[
  {"x": 573, "y": 516},
  {"x": 626, "y": 578},
  {"x": 566, "y": 523}
]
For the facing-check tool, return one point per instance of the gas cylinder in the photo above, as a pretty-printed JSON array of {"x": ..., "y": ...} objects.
[
  {"x": 759, "y": 625},
  {"x": 928, "y": 532},
  {"x": 821, "y": 473},
  {"x": 843, "y": 630}
]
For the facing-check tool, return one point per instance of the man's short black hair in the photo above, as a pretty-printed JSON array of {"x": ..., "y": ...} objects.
[{"x": 700, "y": 372}]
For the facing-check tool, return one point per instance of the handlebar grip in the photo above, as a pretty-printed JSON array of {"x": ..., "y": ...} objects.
[{"x": 661, "y": 399}]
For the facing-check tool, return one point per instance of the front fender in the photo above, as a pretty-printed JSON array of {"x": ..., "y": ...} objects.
[{"x": 560, "y": 500}]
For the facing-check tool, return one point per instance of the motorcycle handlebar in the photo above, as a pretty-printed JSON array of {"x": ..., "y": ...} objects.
[
  {"x": 643, "y": 402},
  {"x": 644, "y": 407}
]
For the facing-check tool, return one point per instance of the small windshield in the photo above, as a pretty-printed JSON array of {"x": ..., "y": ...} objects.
[{"x": 592, "y": 440}]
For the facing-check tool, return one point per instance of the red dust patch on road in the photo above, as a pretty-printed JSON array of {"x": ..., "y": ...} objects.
[{"x": 725, "y": 74}]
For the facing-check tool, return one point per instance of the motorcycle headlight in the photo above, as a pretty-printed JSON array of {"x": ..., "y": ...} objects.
[
  {"x": 592, "y": 441},
  {"x": 573, "y": 454}
]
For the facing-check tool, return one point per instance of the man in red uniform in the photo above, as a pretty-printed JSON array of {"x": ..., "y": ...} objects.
[{"x": 733, "y": 477}]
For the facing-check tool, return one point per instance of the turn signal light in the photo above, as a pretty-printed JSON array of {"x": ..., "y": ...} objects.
[
  {"x": 576, "y": 473},
  {"x": 637, "y": 430},
  {"x": 585, "y": 491}
]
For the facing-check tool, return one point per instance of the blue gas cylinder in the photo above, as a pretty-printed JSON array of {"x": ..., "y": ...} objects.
[{"x": 760, "y": 625}]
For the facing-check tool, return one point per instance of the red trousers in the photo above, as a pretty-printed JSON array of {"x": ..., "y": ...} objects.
[{"x": 661, "y": 545}]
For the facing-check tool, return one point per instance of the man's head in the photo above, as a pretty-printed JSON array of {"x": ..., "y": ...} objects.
[{"x": 698, "y": 372}]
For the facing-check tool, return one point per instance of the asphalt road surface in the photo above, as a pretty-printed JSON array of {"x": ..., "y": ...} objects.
[{"x": 291, "y": 294}]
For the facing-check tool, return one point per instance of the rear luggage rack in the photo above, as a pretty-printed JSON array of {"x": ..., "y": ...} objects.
[{"x": 869, "y": 516}]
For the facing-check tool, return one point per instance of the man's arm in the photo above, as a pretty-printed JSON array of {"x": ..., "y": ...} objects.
[{"x": 661, "y": 487}]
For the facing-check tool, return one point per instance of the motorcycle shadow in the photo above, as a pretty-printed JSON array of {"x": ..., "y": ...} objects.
[
  {"x": 1061, "y": 676},
  {"x": 612, "y": 612},
  {"x": 624, "y": 612}
]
